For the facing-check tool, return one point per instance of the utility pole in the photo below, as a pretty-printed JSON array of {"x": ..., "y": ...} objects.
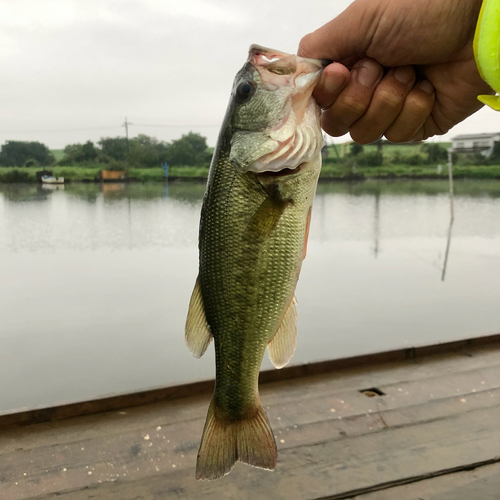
[{"x": 126, "y": 124}]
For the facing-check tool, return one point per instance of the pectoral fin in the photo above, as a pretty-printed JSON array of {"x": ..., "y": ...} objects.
[
  {"x": 282, "y": 346},
  {"x": 198, "y": 334}
]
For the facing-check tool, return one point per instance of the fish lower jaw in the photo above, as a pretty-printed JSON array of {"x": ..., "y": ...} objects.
[{"x": 286, "y": 171}]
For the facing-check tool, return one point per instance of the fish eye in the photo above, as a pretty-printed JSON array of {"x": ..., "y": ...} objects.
[{"x": 245, "y": 89}]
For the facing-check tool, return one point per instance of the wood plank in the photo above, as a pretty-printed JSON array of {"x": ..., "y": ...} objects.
[
  {"x": 301, "y": 401},
  {"x": 431, "y": 422},
  {"x": 460, "y": 348},
  {"x": 321, "y": 471},
  {"x": 351, "y": 454},
  {"x": 427, "y": 488},
  {"x": 487, "y": 488}
]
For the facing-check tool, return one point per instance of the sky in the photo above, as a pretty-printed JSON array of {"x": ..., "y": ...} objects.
[{"x": 72, "y": 70}]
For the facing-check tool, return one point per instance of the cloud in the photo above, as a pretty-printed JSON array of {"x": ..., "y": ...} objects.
[
  {"x": 46, "y": 14},
  {"x": 32, "y": 13},
  {"x": 200, "y": 9}
]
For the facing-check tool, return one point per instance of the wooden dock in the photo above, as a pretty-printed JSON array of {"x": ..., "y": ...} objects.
[{"x": 417, "y": 424}]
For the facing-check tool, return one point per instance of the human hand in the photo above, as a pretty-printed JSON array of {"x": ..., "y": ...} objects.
[{"x": 432, "y": 82}]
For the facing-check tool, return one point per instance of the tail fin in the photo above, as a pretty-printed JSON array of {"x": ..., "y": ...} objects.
[{"x": 249, "y": 440}]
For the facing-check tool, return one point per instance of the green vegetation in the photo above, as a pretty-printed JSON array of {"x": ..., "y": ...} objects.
[
  {"x": 58, "y": 154},
  {"x": 407, "y": 171},
  {"x": 189, "y": 157},
  {"x": 142, "y": 151},
  {"x": 28, "y": 174},
  {"x": 114, "y": 152},
  {"x": 422, "y": 160},
  {"x": 25, "y": 154},
  {"x": 328, "y": 172}
]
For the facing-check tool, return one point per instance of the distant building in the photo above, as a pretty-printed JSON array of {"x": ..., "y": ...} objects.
[{"x": 475, "y": 143}]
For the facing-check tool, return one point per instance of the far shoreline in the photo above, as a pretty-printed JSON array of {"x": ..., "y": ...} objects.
[{"x": 329, "y": 173}]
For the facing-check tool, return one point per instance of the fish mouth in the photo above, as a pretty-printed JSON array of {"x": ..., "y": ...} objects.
[
  {"x": 295, "y": 136},
  {"x": 278, "y": 69},
  {"x": 292, "y": 136},
  {"x": 281, "y": 63},
  {"x": 284, "y": 172}
]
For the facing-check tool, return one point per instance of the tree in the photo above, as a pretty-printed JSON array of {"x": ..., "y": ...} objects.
[
  {"x": 435, "y": 152},
  {"x": 147, "y": 152},
  {"x": 17, "y": 153},
  {"x": 380, "y": 144},
  {"x": 114, "y": 147},
  {"x": 190, "y": 149},
  {"x": 80, "y": 153},
  {"x": 356, "y": 148}
]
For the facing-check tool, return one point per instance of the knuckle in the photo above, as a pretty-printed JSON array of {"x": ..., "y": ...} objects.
[
  {"x": 390, "y": 98},
  {"x": 418, "y": 104},
  {"x": 305, "y": 46},
  {"x": 352, "y": 105}
]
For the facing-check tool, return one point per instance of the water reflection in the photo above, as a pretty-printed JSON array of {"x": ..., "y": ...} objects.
[
  {"x": 377, "y": 223},
  {"x": 447, "y": 251},
  {"x": 95, "y": 280}
]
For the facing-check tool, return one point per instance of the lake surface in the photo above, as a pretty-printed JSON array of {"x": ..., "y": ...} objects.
[{"x": 95, "y": 281}]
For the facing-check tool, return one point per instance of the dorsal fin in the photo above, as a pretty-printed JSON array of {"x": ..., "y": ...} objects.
[
  {"x": 282, "y": 346},
  {"x": 198, "y": 334}
]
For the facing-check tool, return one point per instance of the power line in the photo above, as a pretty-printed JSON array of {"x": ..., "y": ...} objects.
[
  {"x": 108, "y": 127},
  {"x": 55, "y": 130},
  {"x": 175, "y": 126}
]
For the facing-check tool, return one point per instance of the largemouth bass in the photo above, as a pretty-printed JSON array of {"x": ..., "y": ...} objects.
[{"x": 253, "y": 234}]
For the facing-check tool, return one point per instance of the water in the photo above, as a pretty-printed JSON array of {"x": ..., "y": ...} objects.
[{"x": 95, "y": 281}]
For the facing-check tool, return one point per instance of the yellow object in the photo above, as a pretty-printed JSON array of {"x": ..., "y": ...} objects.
[{"x": 486, "y": 50}]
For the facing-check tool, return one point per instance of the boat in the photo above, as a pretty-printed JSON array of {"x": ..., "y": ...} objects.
[{"x": 50, "y": 179}]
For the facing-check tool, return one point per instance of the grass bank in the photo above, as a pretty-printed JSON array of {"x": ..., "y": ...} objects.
[
  {"x": 339, "y": 172},
  {"x": 328, "y": 172},
  {"x": 90, "y": 174}
]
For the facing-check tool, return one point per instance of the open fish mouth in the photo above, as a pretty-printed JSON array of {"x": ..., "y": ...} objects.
[
  {"x": 284, "y": 172},
  {"x": 293, "y": 139},
  {"x": 281, "y": 63}
]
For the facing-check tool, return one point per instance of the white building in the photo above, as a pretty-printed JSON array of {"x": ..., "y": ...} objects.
[{"x": 475, "y": 143}]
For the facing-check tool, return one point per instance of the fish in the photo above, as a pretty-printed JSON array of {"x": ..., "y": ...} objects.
[{"x": 253, "y": 234}]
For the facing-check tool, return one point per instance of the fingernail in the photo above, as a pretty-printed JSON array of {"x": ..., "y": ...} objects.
[
  {"x": 426, "y": 86},
  {"x": 367, "y": 73},
  {"x": 403, "y": 74}
]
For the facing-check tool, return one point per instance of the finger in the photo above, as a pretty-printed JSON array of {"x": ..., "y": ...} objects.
[
  {"x": 333, "y": 80},
  {"x": 417, "y": 109},
  {"x": 348, "y": 34},
  {"x": 354, "y": 100},
  {"x": 428, "y": 129},
  {"x": 385, "y": 106}
]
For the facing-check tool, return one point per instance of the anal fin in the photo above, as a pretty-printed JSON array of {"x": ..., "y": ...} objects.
[
  {"x": 198, "y": 334},
  {"x": 282, "y": 346}
]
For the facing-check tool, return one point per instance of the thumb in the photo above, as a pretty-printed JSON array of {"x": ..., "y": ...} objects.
[{"x": 346, "y": 36}]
